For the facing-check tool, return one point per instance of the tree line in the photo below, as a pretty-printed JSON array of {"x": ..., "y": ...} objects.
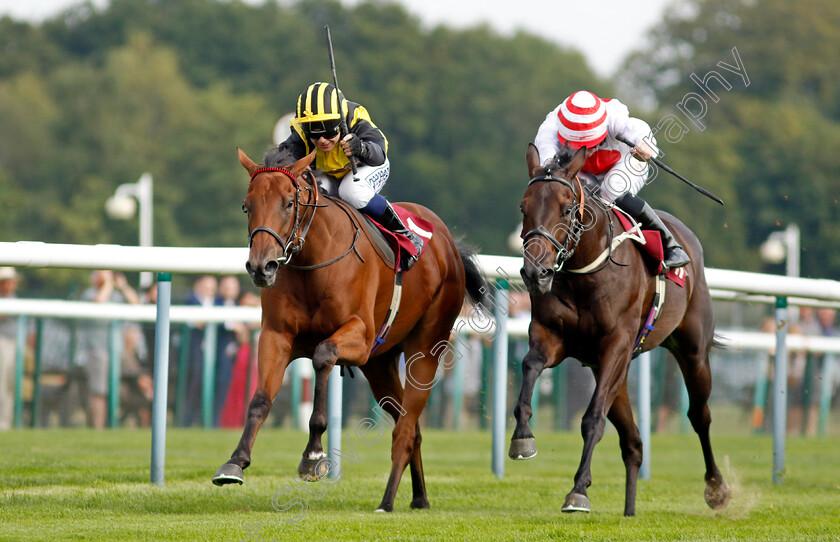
[{"x": 93, "y": 98}]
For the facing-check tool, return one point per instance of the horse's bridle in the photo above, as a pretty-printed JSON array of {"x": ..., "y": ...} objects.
[
  {"x": 297, "y": 237},
  {"x": 566, "y": 249}
]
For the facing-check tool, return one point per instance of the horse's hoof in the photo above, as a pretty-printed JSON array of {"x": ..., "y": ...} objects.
[
  {"x": 229, "y": 474},
  {"x": 575, "y": 502},
  {"x": 381, "y": 511},
  {"x": 717, "y": 495},
  {"x": 420, "y": 504},
  {"x": 313, "y": 470},
  {"x": 522, "y": 448}
]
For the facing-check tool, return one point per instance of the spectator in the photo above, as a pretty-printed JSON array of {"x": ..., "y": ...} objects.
[
  {"x": 137, "y": 387},
  {"x": 8, "y": 349},
  {"x": 204, "y": 294},
  {"x": 227, "y": 343},
  {"x": 93, "y": 340}
]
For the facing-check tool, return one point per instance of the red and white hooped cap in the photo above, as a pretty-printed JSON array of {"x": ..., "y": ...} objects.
[{"x": 583, "y": 120}]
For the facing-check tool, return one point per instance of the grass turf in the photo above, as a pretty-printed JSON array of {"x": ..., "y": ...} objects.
[{"x": 86, "y": 485}]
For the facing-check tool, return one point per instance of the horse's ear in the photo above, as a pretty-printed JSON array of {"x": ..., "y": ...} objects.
[
  {"x": 298, "y": 167},
  {"x": 577, "y": 163},
  {"x": 532, "y": 159},
  {"x": 246, "y": 162}
]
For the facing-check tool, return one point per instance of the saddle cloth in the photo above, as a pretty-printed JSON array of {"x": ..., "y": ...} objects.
[
  {"x": 394, "y": 249},
  {"x": 652, "y": 247}
]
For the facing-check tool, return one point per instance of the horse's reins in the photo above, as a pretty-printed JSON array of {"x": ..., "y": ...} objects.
[{"x": 297, "y": 237}]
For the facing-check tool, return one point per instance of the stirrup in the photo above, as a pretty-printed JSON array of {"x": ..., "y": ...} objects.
[{"x": 677, "y": 258}]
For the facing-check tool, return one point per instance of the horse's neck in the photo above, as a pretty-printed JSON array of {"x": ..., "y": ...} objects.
[{"x": 331, "y": 229}]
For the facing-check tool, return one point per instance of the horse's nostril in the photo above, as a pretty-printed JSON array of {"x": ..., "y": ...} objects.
[
  {"x": 249, "y": 269},
  {"x": 544, "y": 273},
  {"x": 270, "y": 268}
]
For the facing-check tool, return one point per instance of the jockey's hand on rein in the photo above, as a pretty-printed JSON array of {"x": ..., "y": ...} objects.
[{"x": 353, "y": 146}]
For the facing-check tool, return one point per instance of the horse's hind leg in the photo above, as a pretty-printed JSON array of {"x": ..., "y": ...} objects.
[
  {"x": 694, "y": 364},
  {"x": 274, "y": 352},
  {"x": 384, "y": 380},
  {"x": 621, "y": 416},
  {"x": 405, "y": 446}
]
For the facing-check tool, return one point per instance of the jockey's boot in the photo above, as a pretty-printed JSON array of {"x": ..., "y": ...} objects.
[
  {"x": 391, "y": 220},
  {"x": 638, "y": 208}
]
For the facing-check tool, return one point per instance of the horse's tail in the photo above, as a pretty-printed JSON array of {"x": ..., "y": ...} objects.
[
  {"x": 476, "y": 286},
  {"x": 720, "y": 341}
]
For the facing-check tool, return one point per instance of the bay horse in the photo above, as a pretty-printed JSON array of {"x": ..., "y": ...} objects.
[
  {"x": 590, "y": 300},
  {"x": 327, "y": 299}
]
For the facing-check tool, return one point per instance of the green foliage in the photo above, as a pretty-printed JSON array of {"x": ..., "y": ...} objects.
[
  {"x": 767, "y": 146},
  {"x": 173, "y": 87},
  {"x": 95, "y": 97}
]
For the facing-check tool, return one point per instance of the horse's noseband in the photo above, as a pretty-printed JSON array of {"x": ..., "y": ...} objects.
[{"x": 566, "y": 249}]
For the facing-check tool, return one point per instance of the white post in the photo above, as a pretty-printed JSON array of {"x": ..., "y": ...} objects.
[
  {"x": 500, "y": 365},
  {"x": 644, "y": 413},
  {"x": 161, "y": 378},
  {"x": 780, "y": 392}
]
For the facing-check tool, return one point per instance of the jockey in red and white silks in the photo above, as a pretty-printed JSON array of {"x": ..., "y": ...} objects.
[
  {"x": 610, "y": 165},
  {"x": 585, "y": 120}
]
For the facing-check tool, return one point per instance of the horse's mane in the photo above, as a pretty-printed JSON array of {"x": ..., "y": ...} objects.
[
  {"x": 280, "y": 155},
  {"x": 562, "y": 158}
]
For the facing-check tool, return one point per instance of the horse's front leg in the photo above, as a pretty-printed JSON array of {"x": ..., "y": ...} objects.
[
  {"x": 274, "y": 351},
  {"x": 609, "y": 376},
  {"x": 348, "y": 344},
  {"x": 522, "y": 444}
]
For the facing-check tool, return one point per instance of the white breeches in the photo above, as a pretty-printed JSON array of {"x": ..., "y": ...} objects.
[{"x": 371, "y": 179}]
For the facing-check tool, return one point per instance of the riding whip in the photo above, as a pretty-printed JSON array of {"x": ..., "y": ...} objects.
[
  {"x": 342, "y": 120},
  {"x": 674, "y": 173}
]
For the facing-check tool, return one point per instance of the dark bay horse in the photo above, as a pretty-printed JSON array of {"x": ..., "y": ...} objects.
[
  {"x": 595, "y": 315},
  {"x": 327, "y": 299}
]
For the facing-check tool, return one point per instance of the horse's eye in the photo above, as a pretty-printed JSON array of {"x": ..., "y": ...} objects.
[
  {"x": 290, "y": 205},
  {"x": 244, "y": 208}
]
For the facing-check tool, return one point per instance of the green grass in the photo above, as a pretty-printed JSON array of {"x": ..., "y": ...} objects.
[{"x": 85, "y": 485}]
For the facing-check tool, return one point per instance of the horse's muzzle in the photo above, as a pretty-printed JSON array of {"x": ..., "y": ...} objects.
[
  {"x": 537, "y": 279},
  {"x": 263, "y": 275}
]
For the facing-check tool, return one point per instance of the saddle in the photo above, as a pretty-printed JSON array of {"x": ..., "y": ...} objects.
[
  {"x": 649, "y": 243},
  {"x": 392, "y": 248}
]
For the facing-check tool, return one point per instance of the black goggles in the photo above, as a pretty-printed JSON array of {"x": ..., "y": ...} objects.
[{"x": 318, "y": 129}]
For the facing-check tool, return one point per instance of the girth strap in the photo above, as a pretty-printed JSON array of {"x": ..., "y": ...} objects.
[
  {"x": 653, "y": 315},
  {"x": 392, "y": 312}
]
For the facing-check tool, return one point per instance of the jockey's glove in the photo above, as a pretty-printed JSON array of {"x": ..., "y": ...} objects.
[{"x": 357, "y": 147}]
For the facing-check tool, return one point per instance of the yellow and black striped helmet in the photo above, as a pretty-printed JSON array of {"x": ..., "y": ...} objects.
[{"x": 319, "y": 110}]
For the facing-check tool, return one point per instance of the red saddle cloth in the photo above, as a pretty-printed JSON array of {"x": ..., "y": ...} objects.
[
  {"x": 654, "y": 249},
  {"x": 402, "y": 246}
]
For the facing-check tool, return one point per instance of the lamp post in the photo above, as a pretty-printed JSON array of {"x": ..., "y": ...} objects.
[
  {"x": 122, "y": 206},
  {"x": 783, "y": 246},
  {"x": 778, "y": 246}
]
